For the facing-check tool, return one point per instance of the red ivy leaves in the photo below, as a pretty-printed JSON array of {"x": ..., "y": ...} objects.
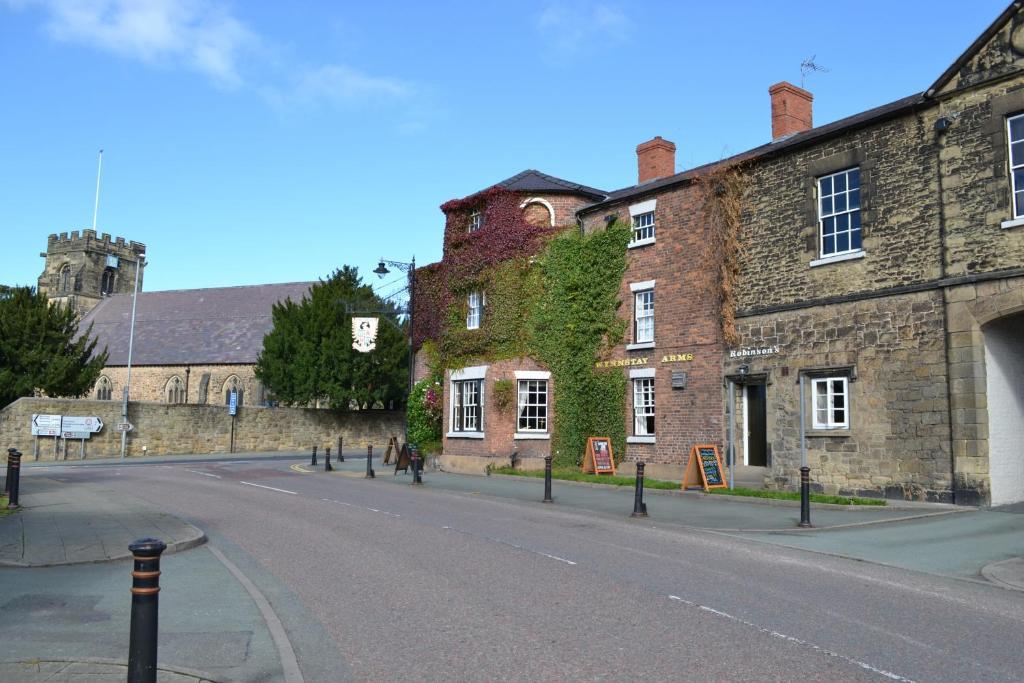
[{"x": 505, "y": 234}]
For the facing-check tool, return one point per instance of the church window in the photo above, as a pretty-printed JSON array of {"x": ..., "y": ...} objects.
[
  {"x": 103, "y": 389},
  {"x": 65, "y": 279},
  {"x": 232, "y": 383},
  {"x": 175, "y": 390},
  {"x": 107, "y": 285}
]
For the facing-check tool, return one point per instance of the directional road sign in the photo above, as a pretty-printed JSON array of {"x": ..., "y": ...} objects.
[
  {"x": 76, "y": 435},
  {"x": 46, "y": 425},
  {"x": 73, "y": 423},
  {"x": 125, "y": 426}
]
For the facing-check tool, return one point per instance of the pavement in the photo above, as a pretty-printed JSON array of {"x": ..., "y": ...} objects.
[{"x": 219, "y": 628}]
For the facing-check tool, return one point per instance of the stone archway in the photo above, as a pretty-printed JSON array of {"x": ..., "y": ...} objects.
[{"x": 1004, "y": 374}]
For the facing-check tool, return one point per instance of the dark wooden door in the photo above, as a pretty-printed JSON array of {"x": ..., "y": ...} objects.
[{"x": 757, "y": 426}]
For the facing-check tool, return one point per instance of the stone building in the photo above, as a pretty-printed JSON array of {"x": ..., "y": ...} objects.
[
  {"x": 191, "y": 346},
  {"x": 81, "y": 270},
  {"x": 870, "y": 320}
]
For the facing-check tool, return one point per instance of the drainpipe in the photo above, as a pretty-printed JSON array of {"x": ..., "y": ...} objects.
[{"x": 942, "y": 125}]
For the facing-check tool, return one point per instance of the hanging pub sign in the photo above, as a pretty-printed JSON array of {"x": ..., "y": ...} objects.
[
  {"x": 598, "y": 459},
  {"x": 364, "y": 334},
  {"x": 704, "y": 468}
]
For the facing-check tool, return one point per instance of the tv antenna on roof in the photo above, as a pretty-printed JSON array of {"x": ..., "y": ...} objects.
[{"x": 808, "y": 66}]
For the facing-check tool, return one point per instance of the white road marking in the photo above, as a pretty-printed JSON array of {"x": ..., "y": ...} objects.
[
  {"x": 341, "y": 502},
  {"x": 271, "y": 488},
  {"x": 775, "y": 634},
  {"x": 511, "y": 545},
  {"x": 205, "y": 474}
]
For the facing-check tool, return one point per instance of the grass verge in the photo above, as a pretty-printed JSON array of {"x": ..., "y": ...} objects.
[
  {"x": 615, "y": 480},
  {"x": 3, "y": 506}
]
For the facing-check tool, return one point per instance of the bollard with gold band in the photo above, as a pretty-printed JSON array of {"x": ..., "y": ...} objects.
[
  {"x": 369, "y": 462},
  {"x": 14, "y": 465},
  {"x": 327, "y": 460},
  {"x": 145, "y": 609}
]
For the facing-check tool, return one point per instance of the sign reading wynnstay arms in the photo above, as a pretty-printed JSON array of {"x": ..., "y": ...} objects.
[{"x": 364, "y": 334}]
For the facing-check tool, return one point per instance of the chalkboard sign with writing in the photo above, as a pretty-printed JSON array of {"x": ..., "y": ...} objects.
[
  {"x": 704, "y": 468},
  {"x": 599, "y": 459}
]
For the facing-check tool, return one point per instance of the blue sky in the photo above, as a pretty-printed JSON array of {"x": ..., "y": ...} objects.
[{"x": 252, "y": 142}]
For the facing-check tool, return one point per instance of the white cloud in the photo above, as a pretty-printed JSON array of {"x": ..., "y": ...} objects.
[
  {"x": 571, "y": 28},
  {"x": 193, "y": 33},
  {"x": 204, "y": 36}
]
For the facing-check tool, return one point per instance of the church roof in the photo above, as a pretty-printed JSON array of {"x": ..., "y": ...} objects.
[{"x": 221, "y": 325}]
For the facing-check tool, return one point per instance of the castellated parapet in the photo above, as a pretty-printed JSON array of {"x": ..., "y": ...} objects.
[{"x": 82, "y": 268}]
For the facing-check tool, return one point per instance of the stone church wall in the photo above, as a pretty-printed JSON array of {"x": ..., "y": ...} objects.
[{"x": 190, "y": 429}]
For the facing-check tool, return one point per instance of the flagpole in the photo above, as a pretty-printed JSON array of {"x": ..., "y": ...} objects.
[{"x": 96, "y": 206}]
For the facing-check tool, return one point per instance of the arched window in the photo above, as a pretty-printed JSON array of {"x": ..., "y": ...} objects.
[
  {"x": 103, "y": 389},
  {"x": 232, "y": 383},
  {"x": 539, "y": 212},
  {"x": 64, "y": 284},
  {"x": 107, "y": 285},
  {"x": 175, "y": 391}
]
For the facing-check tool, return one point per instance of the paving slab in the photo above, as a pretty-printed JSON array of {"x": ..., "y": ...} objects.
[{"x": 60, "y": 523}]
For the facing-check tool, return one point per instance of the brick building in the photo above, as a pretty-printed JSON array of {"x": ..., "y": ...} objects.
[{"x": 874, "y": 306}]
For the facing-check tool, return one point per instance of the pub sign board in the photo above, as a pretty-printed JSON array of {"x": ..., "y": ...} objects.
[
  {"x": 704, "y": 468},
  {"x": 599, "y": 459}
]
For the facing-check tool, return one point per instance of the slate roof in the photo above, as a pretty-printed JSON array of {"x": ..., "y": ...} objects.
[
  {"x": 788, "y": 143},
  {"x": 222, "y": 325},
  {"x": 531, "y": 180}
]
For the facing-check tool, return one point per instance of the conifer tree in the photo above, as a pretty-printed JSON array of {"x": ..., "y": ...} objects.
[
  {"x": 40, "y": 348},
  {"x": 308, "y": 357}
]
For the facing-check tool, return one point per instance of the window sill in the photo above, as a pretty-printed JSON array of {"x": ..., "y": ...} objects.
[
  {"x": 523, "y": 436},
  {"x": 640, "y": 346},
  {"x": 853, "y": 255},
  {"x": 464, "y": 435},
  {"x": 640, "y": 243},
  {"x": 1013, "y": 223},
  {"x": 640, "y": 439},
  {"x": 843, "y": 432}
]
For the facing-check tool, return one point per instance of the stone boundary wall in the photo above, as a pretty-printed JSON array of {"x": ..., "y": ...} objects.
[{"x": 185, "y": 429}]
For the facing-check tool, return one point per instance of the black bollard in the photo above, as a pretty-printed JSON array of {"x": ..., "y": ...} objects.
[
  {"x": 7, "y": 477},
  {"x": 312, "y": 463},
  {"x": 547, "y": 479},
  {"x": 369, "y": 461},
  {"x": 639, "y": 506},
  {"x": 417, "y": 465},
  {"x": 327, "y": 460},
  {"x": 341, "y": 456},
  {"x": 805, "y": 496},
  {"x": 145, "y": 609},
  {"x": 14, "y": 461}
]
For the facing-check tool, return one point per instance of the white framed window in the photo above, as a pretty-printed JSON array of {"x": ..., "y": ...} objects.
[
  {"x": 643, "y": 406},
  {"x": 1015, "y": 139},
  {"x": 533, "y": 405},
  {"x": 643, "y": 228},
  {"x": 476, "y": 221},
  {"x": 830, "y": 397},
  {"x": 643, "y": 316},
  {"x": 839, "y": 229},
  {"x": 467, "y": 405},
  {"x": 474, "y": 310}
]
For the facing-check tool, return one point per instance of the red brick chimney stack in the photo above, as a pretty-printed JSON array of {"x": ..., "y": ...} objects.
[
  {"x": 655, "y": 159},
  {"x": 791, "y": 109}
]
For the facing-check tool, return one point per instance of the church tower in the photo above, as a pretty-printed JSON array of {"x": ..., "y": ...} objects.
[{"x": 81, "y": 270}]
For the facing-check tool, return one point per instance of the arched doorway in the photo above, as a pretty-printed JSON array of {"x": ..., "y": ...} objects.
[{"x": 1004, "y": 370}]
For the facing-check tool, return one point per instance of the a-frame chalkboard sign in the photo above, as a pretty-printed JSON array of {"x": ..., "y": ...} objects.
[
  {"x": 704, "y": 468},
  {"x": 598, "y": 459},
  {"x": 392, "y": 448}
]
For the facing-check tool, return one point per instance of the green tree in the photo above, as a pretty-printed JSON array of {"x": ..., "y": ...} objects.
[
  {"x": 40, "y": 348},
  {"x": 308, "y": 355}
]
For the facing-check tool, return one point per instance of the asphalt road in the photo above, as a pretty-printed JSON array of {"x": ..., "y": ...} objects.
[{"x": 409, "y": 583}]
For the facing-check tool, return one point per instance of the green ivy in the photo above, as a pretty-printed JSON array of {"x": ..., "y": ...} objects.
[{"x": 573, "y": 325}]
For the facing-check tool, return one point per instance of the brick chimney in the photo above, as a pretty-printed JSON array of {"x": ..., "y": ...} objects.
[
  {"x": 791, "y": 109},
  {"x": 655, "y": 159}
]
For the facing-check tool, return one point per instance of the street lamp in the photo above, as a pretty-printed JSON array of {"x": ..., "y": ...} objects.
[
  {"x": 139, "y": 264},
  {"x": 381, "y": 270}
]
